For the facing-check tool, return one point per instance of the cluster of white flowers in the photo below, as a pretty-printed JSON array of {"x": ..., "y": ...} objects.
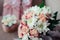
[
  {"x": 34, "y": 9},
  {"x": 37, "y": 10},
  {"x": 41, "y": 26},
  {"x": 46, "y": 10},
  {"x": 9, "y": 20},
  {"x": 34, "y": 20}
]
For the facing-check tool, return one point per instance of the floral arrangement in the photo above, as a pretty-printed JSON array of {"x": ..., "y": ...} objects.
[
  {"x": 9, "y": 20},
  {"x": 34, "y": 22}
]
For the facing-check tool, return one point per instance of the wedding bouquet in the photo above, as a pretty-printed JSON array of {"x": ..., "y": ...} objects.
[
  {"x": 33, "y": 23},
  {"x": 9, "y": 22}
]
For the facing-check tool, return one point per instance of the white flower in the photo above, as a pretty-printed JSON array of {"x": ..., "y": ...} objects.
[
  {"x": 14, "y": 22},
  {"x": 34, "y": 9},
  {"x": 31, "y": 22},
  {"x": 42, "y": 26},
  {"x": 9, "y": 20},
  {"x": 46, "y": 10},
  {"x": 25, "y": 37}
]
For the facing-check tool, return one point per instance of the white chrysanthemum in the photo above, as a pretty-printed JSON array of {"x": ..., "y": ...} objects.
[
  {"x": 25, "y": 37},
  {"x": 31, "y": 21},
  {"x": 45, "y": 29},
  {"x": 46, "y": 10},
  {"x": 42, "y": 26},
  {"x": 34, "y": 9}
]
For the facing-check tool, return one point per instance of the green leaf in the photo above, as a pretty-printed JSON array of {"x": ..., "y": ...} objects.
[
  {"x": 42, "y": 4},
  {"x": 51, "y": 27},
  {"x": 55, "y": 15},
  {"x": 54, "y": 22}
]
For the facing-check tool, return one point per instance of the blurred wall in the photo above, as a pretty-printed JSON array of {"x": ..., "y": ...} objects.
[
  {"x": 1, "y": 7},
  {"x": 55, "y": 6}
]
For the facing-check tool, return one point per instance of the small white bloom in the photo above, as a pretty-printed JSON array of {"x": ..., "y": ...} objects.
[
  {"x": 10, "y": 24},
  {"x": 25, "y": 37},
  {"x": 34, "y": 9},
  {"x": 14, "y": 22},
  {"x": 9, "y": 20},
  {"x": 46, "y": 10}
]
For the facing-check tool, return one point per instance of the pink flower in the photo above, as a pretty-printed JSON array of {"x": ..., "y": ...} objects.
[
  {"x": 34, "y": 33},
  {"x": 42, "y": 17},
  {"x": 20, "y": 35},
  {"x": 29, "y": 15},
  {"x": 24, "y": 28},
  {"x": 22, "y": 22}
]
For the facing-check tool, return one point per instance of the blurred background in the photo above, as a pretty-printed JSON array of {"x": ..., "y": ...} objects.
[{"x": 54, "y": 4}]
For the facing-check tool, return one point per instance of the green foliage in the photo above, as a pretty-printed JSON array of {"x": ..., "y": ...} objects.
[
  {"x": 55, "y": 15},
  {"x": 54, "y": 22},
  {"x": 42, "y": 4}
]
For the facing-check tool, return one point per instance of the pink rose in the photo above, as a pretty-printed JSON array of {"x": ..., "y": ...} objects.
[
  {"x": 42, "y": 17},
  {"x": 29, "y": 15},
  {"x": 22, "y": 23},
  {"x": 20, "y": 35},
  {"x": 24, "y": 28},
  {"x": 34, "y": 33}
]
